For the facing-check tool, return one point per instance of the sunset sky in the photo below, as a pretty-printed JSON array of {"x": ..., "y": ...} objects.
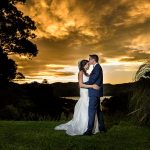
[{"x": 69, "y": 30}]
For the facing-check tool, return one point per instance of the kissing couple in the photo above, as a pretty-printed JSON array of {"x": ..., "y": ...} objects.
[{"x": 88, "y": 119}]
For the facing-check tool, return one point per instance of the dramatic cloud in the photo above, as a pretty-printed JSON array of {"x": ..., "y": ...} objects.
[{"x": 69, "y": 30}]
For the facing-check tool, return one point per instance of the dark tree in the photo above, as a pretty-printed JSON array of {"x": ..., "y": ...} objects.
[
  {"x": 44, "y": 81},
  {"x": 7, "y": 68},
  {"x": 16, "y": 32},
  {"x": 19, "y": 75}
]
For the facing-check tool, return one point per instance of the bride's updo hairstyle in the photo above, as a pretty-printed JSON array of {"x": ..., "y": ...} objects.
[{"x": 81, "y": 65}]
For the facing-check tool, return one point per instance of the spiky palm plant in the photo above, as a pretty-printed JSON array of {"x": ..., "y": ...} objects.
[{"x": 140, "y": 100}]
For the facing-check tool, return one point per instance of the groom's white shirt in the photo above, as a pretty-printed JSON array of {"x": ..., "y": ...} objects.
[{"x": 95, "y": 65}]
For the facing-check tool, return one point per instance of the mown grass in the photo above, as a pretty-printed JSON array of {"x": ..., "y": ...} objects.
[{"x": 40, "y": 135}]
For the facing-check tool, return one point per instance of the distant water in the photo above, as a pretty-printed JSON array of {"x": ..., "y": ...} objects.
[{"x": 77, "y": 97}]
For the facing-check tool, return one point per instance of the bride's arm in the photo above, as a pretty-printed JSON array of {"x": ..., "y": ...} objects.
[{"x": 82, "y": 85}]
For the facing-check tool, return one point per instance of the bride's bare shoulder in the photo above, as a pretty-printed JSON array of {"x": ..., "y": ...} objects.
[{"x": 80, "y": 72}]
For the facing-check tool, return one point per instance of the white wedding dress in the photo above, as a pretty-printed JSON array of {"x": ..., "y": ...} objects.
[{"x": 78, "y": 124}]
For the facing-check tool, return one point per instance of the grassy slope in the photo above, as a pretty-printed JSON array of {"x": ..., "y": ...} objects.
[{"x": 39, "y": 135}]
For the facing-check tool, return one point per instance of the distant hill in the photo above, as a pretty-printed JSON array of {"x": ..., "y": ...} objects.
[
  {"x": 72, "y": 89},
  {"x": 36, "y": 101}
]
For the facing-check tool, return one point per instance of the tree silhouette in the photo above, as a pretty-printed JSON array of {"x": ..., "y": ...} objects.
[
  {"x": 45, "y": 81},
  {"x": 16, "y": 31},
  {"x": 19, "y": 75},
  {"x": 7, "y": 68}
]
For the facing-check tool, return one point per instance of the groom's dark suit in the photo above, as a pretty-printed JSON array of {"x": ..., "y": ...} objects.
[{"x": 96, "y": 77}]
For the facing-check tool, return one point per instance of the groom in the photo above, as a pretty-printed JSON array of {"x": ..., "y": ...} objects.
[{"x": 96, "y": 77}]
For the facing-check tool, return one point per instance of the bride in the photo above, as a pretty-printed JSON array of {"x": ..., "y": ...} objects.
[{"x": 78, "y": 124}]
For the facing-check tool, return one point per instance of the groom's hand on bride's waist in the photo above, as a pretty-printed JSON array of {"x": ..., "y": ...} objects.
[{"x": 96, "y": 87}]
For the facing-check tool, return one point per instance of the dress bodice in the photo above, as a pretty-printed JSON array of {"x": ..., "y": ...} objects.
[
  {"x": 85, "y": 78},
  {"x": 84, "y": 91}
]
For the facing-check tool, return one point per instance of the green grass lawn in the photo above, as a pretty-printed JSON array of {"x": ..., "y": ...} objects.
[{"x": 39, "y": 135}]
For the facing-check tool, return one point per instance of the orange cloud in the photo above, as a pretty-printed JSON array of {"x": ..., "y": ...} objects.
[{"x": 70, "y": 30}]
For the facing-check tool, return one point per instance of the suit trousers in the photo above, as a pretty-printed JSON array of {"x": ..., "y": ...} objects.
[{"x": 94, "y": 107}]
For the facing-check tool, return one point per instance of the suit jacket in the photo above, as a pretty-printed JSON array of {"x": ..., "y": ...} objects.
[{"x": 96, "y": 77}]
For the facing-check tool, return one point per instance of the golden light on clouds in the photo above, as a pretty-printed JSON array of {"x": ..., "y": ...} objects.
[{"x": 69, "y": 30}]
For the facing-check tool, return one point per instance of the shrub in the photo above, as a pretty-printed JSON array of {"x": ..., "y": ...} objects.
[
  {"x": 9, "y": 112},
  {"x": 140, "y": 100}
]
